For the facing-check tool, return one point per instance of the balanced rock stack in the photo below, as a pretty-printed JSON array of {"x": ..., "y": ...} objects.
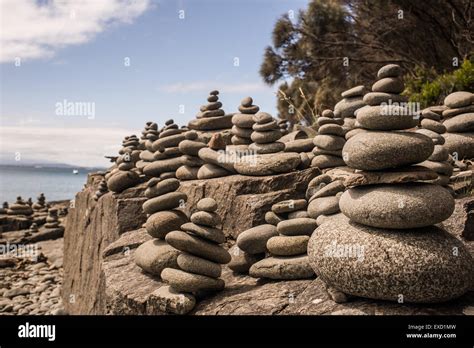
[
  {"x": 191, "y": 162},
  {"x": 201, "y": 256},
  {"x": 149, "y": 135},
  {"x": 251, "y": 246},
  {"x": 288, "y": 257},
  {"x": 459, "y": 123},
  {"x": 102, "y": 190},
  {"x": 217, "y": 162},
  {"x": 125, "y": 175},
  {"x": 323, "y": 194},
  {"x": 167, "y": 155},
  {"x": 4, "y": 208},
  {"x": 40, "y": 205},
  {"x": 265, "y": 135},
  {"x": 329, "y": 141},
  {"x": 439, "y": 159},
  {"x": 347, "y": 107},
  {"x": 34, "y": 228},
  {"x": 267, "y": 157},
  {"x": 163, "y": 217},
  {"x": 211, "y": 116},
  {"x": 20, "y": 207},
  {"x": 243, "y": 122},
  {"x": 385, "y": 245},
  {"x": 52, "y": 221}
]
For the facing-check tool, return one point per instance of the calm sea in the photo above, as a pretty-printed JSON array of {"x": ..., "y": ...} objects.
[{"x": 55, "y": 183}]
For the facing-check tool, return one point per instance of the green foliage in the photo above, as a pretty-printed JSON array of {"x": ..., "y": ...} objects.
[{"x": 428, "y": 88}]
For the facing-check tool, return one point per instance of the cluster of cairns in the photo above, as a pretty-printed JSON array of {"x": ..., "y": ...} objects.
[
  {"x": 291, "y": 228},
  {"x": 101, "y": 190},
  {"x": 20, "y": 207},
  {"x": 458, "y": 115},
  {"x": 439, "y": 161},
  {"x": 211, "y": 116},
  {"x": 243, "y": 123},
  {"x": 385, "y": 245},
  {"x": 352, "y": 100},
  {"x": 199, "y": 263},
  {"x": 329, "y": 141},
  {"x": 191, "y": 163},
  {"x": 149, "y": 135},
  {"x": 166, "y": 152},
  {"x": 125, "y": 174}
]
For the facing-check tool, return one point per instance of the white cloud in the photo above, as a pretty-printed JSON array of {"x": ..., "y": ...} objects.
[
  {"x": 32, "y": 30},
  {"x": 206, "y": 86},
  {"x": 75, "y": 146}
]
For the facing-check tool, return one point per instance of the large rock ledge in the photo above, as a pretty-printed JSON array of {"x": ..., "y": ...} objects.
[
  {"x": 93, "y": 225},
  {"x": 130, "y": 291}
]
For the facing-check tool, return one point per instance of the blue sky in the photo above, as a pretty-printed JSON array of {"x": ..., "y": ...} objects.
[{"x": 173, "y": 62}]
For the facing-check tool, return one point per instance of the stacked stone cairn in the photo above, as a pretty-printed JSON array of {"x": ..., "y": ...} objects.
[
  {"x": 459, "y": 122},
  {"x": 4, "y": 208},
  {"x": 328, "y": 142},
  {"x": 323, "y": 194},
  {"x": 163, "y": 216},
  {"x": 52, "y": 221},
  {"x": 251, "y": 246},
  {"x": 217, "y": 161},
  {"x": 201, "y": 255},
  {"x": 40, "y": 205},
  {"x": 20, "y": 207},
  {"x": 386, "y": 245},
  {"x": 125, "y": 174},
  {"x": 265, "y": 135},
  {"x": 211, "y": 116},
  {"x": 243, "y": 123},
  {"x": 149, "y": 135},
  {"x": 167, "y": 155},
  {"x": 288, "y": 258},
  {"x": 266, "y": 155},
  {"x": 347, "y": 107},
  {"x": 191, "y": 162},
  {"x": 439, "y": 159},
  {"x": 101, "y": 190}
]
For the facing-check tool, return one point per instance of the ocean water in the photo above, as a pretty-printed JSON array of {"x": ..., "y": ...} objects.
[{"x": 55, "y": 183}]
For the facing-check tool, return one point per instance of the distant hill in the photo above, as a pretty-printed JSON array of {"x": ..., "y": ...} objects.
[{"x": 43, "y": 164}]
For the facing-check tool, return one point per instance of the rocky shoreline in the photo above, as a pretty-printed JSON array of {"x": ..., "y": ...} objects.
[{"x": 32, "y": 286}]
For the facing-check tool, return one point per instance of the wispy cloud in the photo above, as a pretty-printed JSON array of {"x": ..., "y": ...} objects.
[
  {"x": 32, "y": 30},
  {"x": 206, "y": 86},
  {"x": 75, "y": 146}
]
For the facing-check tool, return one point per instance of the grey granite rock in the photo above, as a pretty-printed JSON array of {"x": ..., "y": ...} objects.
[
  {"x": 399, "y": 206},
  {"x": 156, "y": 255},
  {"x": 420, "y": 265},
  {"x": 382, "y": 150}
]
